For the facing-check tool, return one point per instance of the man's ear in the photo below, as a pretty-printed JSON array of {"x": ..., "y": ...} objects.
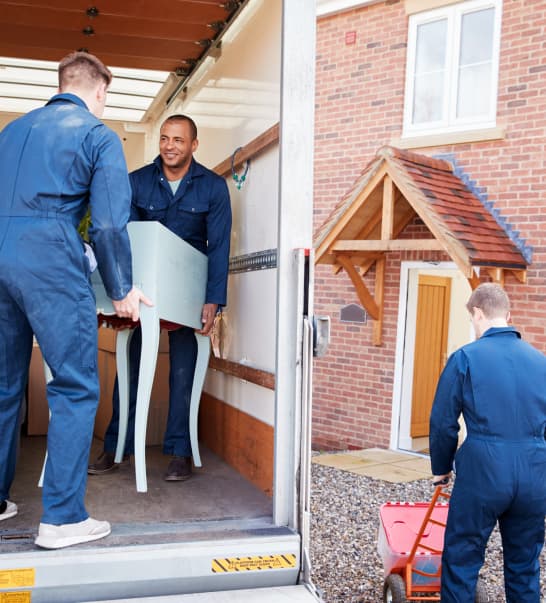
[
  {"x": 194, "y": 145},
  {"x": 101, "y": 91},
  {"x": 477, "y": 313}
]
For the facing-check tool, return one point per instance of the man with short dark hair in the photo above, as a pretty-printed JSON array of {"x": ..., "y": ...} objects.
[
  {"x": 55, "y": 162},
  {"x": 82, "y": 71},
  {"x": 498, "y": 384},
  {"x": 193, "y": 202}
]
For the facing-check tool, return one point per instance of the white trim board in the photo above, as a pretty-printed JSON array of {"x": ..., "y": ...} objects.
[{"x": 331, "y": 7}]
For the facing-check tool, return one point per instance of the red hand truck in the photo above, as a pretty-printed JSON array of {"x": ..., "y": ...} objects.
[{"x": 410, "y": 543}]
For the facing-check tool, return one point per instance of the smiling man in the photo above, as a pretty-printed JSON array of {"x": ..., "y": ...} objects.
[{"x": 193, "y": 202}]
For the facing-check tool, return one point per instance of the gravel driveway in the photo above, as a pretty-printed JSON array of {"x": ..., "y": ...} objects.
[{"x": 345, "y": 520}]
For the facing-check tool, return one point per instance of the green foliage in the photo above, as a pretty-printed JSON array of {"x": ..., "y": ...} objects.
[{"x": 83, "y": 228}]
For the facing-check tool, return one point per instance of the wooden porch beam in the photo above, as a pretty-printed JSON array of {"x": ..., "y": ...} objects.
[
  {"x": 356, "y": 202},
  {"x": 497, "y": 275},
  {"x": 377, "y": 337},
  {"x": 520, "y": 275},
  {"x": 370, "y": 225},
  {"x": 365, "y": 266},
  {"x": 387, "y": 220},
  {"x": 388, "y": 245},
  {"x": 474, "y": 280},
  {"x": 364, "y": 295},
  {"x": 363, "y": 261}
]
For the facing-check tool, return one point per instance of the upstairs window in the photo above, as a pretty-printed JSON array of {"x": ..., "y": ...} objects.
[{"x": 452, "y": 68}]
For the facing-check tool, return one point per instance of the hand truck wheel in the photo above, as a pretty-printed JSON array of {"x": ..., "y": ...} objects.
[{"x": 394, "y": 589}]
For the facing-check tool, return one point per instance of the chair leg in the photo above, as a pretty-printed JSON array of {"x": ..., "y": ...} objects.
[
  {"x": 48, "y": 378},
  {"x": 149, "y": 322},
  {"x": 123, "y": 341},
  {"x": 203, "y": 353}
]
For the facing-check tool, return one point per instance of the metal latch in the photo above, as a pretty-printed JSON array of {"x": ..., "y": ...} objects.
[{"x": 321, "y": 335}]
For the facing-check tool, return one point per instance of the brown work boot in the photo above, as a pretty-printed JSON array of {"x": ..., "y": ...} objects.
[
  {"x": 179, "y": 469},
  {"x": 105, "y": 463}
]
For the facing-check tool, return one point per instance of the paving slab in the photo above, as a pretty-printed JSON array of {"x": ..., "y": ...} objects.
[
  {"x": 377, "y": 463},
  {"x": 416, "y": 464},
  {"x": 342, "y": 461},
  {"x": 381, "y": 455},
  {"x": 391, "y": 473}
]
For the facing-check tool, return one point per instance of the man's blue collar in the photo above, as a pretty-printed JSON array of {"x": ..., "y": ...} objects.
[
  {"x": 68, "y": 96},
  {"x": 500, "y": 331},
  {"x": 196, "y": 169}
]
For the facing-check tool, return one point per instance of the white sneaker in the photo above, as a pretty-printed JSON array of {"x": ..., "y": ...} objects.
[
  {"x": 57, "y": 537},
  {"x": 9, "y": 511}
]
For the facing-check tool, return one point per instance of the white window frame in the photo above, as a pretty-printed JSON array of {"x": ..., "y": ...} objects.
[{"x": 453, "y": 13}]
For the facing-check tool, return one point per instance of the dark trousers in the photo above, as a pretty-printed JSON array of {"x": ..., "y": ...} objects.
[
  {"x": 501, "y": 482},
  {"x": 182, "y": 358}
]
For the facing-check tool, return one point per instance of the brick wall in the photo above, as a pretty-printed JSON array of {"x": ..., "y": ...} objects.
[{"x": 359, "y": 108}]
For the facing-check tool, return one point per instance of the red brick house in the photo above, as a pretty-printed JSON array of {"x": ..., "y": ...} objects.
[{"x": 430, "y": 176}]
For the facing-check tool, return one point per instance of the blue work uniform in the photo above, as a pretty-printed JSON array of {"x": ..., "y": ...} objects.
[
  {"x": 200, "y": 213},
  {"x": 54, "y": 163},
  {"x": 498, "y": 383}
]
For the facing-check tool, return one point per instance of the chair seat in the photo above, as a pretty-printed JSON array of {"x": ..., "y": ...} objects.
[{"x": 119, "y": 323}]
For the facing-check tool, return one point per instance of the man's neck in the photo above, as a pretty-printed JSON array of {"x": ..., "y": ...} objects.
[
  {"x": 89, "y": 97},
  {"x": 176, "y": 173},
  {"x": 496, "y": 323},
  {"x": 490, "y": 323}
]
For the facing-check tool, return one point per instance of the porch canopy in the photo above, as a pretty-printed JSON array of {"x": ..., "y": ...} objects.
[{"x": 395, "y": 188}]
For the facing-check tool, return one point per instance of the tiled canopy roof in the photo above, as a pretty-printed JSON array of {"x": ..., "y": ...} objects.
[
  {"x": 451, "y": 210},
  {"x": 461, "y": 211}
]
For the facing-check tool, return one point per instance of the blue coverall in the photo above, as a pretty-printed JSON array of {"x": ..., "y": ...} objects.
[
  {"x": 498, "y": 383},
  {"x": 200, "y": 213},
  {"x": 54, "y": 163}
]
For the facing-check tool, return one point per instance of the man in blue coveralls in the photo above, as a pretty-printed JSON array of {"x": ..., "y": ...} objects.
[
  {"x": 55, "y": 162},
  {"x": 193, "y": 202},
  {"x": 498, "y": 383}
]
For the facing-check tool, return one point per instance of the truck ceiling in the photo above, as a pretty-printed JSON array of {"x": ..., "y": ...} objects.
[
  {"x": 163, "y": 35},
  {"x": 151, "y": 47}
]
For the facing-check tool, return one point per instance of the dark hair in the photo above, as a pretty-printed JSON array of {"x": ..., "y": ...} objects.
[
  {"x": 491, "y": 299},
  {"x": 82, "y": 69},
  {"x": 180, "y": 117}
]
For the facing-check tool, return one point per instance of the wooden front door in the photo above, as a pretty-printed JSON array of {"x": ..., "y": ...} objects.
[{"x": 430, "y": 352}]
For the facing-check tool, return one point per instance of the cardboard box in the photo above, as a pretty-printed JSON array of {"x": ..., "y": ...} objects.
[{"x": 38, "y": 411}]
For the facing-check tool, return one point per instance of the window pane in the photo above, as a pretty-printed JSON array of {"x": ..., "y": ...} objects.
[
  {"x": 475, "y": 64},
  {"x": 429, "y": 76},
  {"x": 474, "y": 92},
  {"x": 428, "y": 98},
  {"x": 431, "y": 47},
  {"x": 477, "y": 37}
]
